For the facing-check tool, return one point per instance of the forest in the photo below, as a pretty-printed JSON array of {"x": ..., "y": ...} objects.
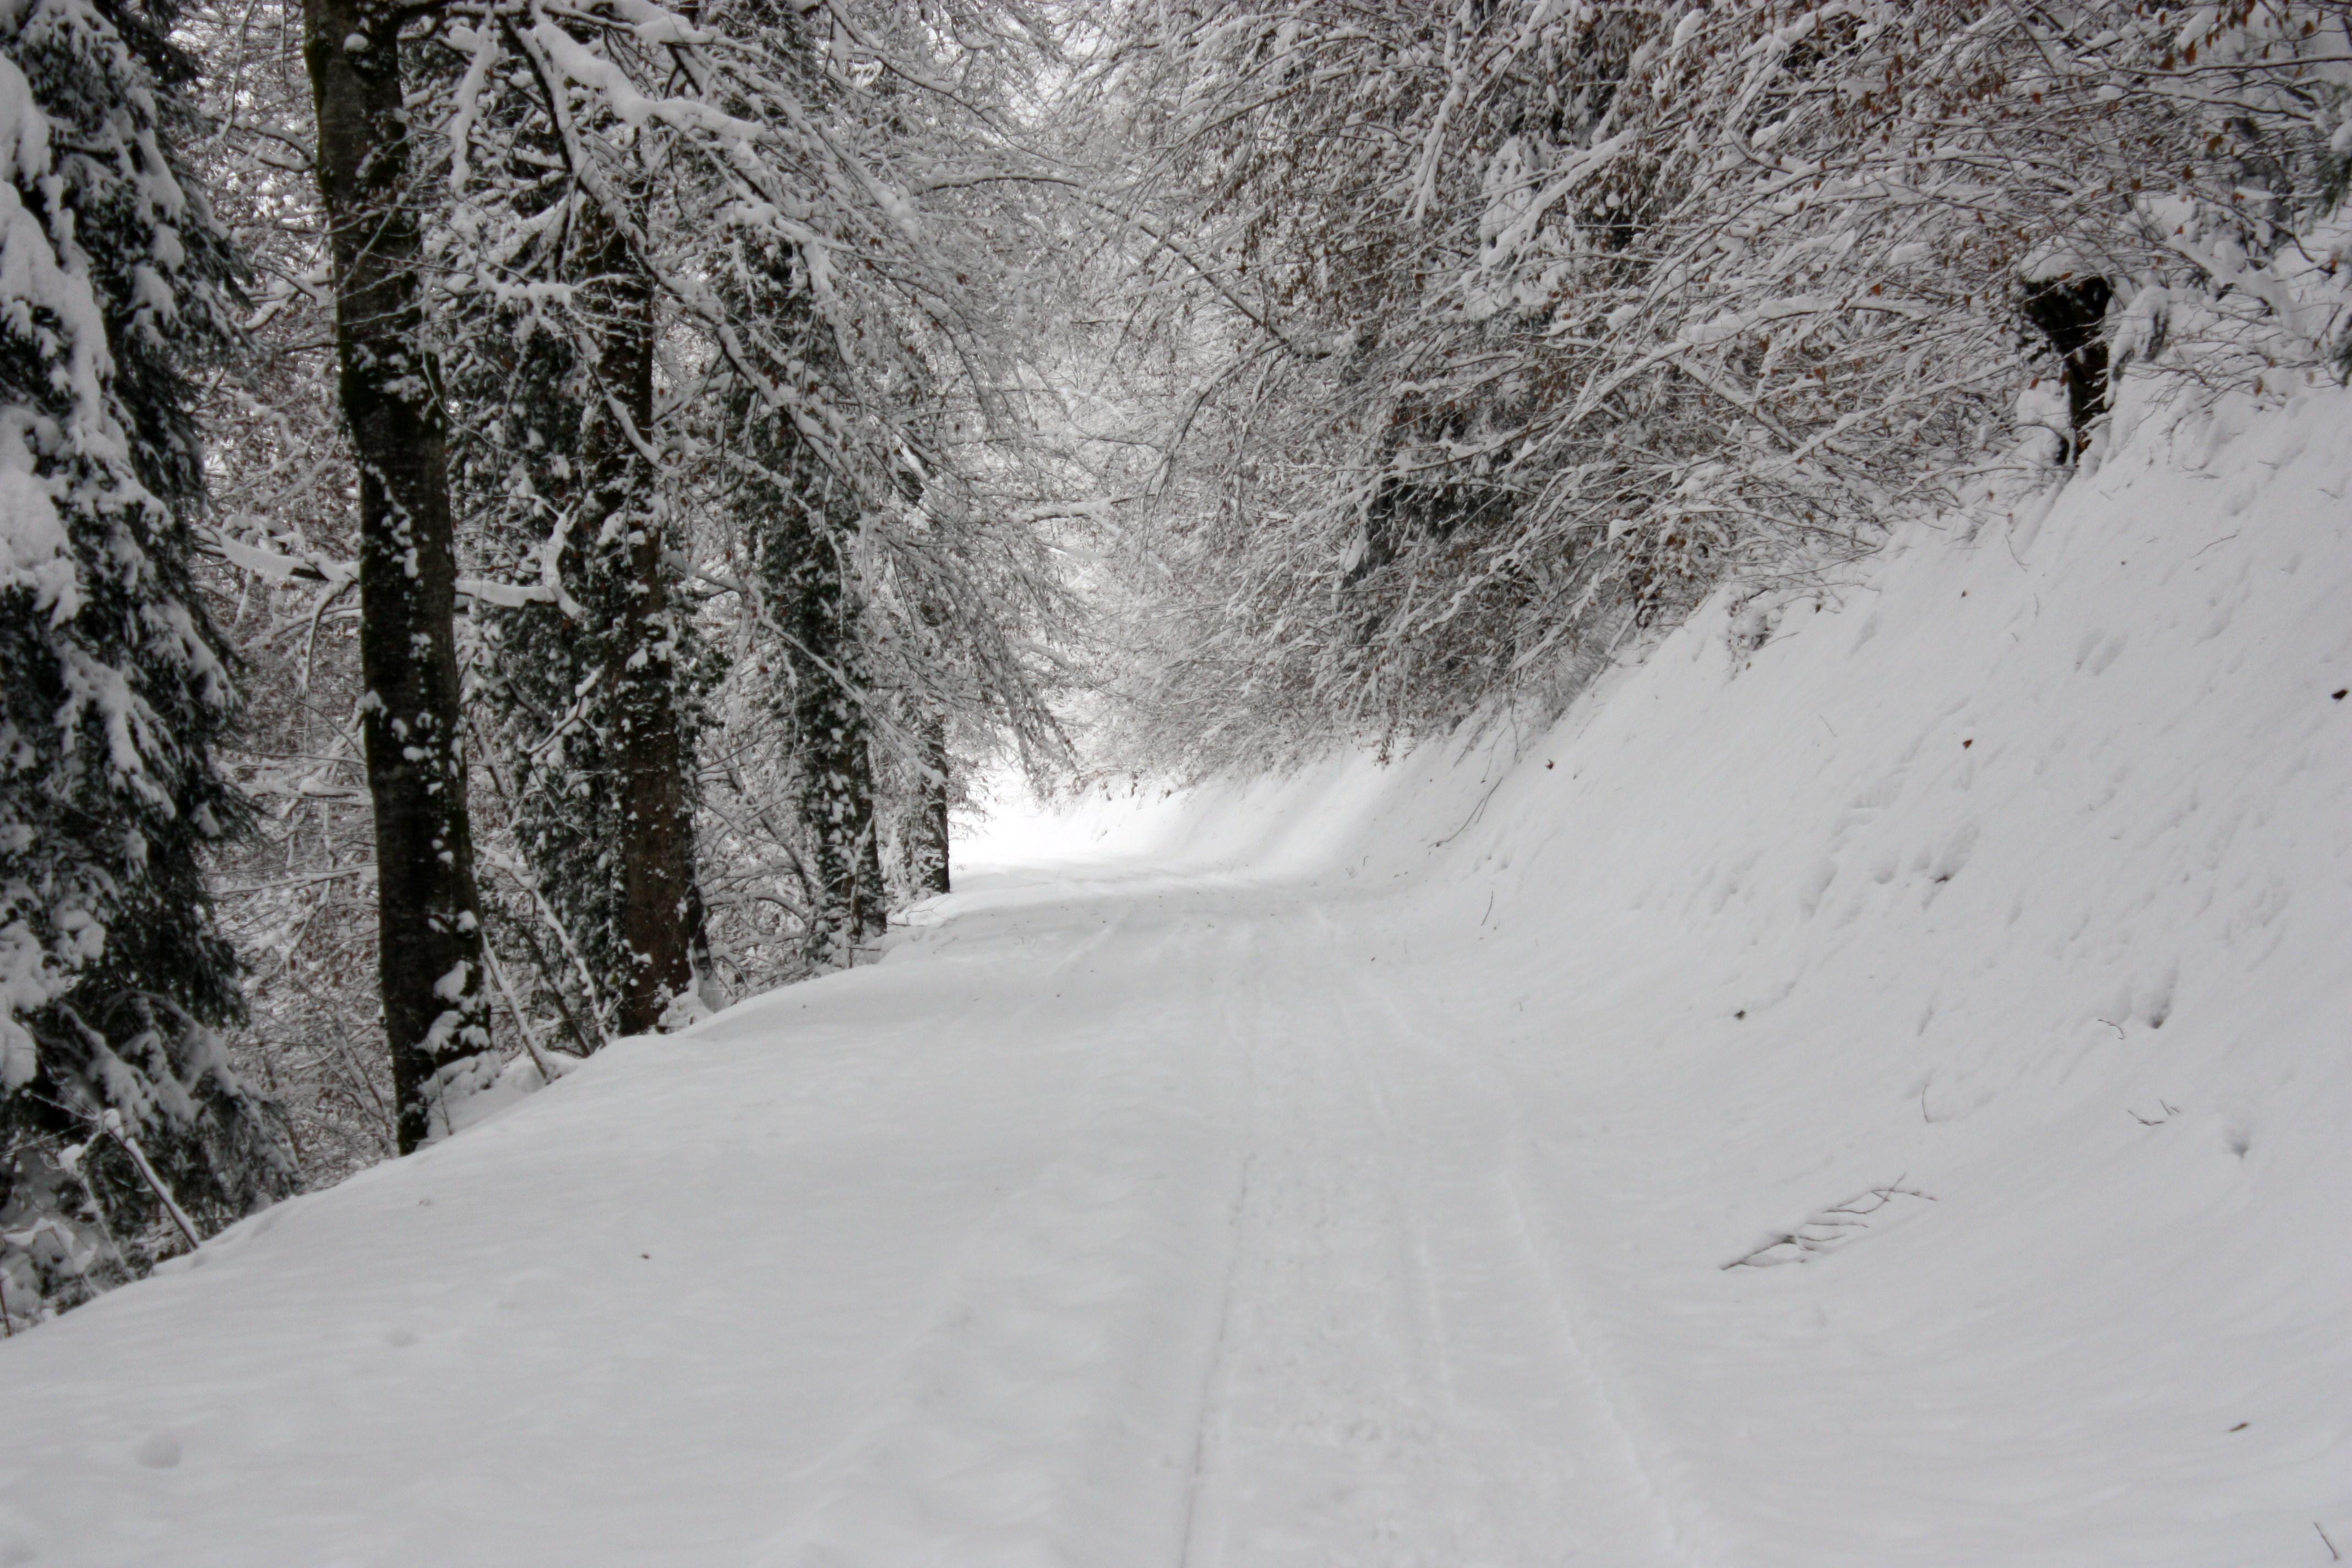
[{"x": 525, "y": 523}]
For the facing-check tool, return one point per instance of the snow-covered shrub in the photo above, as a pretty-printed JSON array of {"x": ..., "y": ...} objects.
[{"x": 1508, "y": 325}]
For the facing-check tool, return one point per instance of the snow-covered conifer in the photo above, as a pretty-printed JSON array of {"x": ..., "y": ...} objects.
[
  {"x": 122, "y": 1123},
  {"x": 798, "y": 519}
]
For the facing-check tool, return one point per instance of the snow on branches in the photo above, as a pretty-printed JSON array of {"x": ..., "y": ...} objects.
[
  {"x": 113, "y": 973},
  {"x": 1512, "y": 324},
  {"x": 780, "y": 201}
]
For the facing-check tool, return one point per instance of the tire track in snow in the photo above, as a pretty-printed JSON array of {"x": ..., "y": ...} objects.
[
  {"x": 1514, "y": 1315},
  {"x": 1043, "y": 1417},
  {"x": 1212, "y": 1370},
  {"x": 1231, "y": 1027},
  {"x": 1327, "y": 1431},
  {"x": 1271, "y": 1298}
]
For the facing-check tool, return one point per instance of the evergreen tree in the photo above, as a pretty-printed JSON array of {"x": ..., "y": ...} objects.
[
  {"x": 799, "y": 519},
  {"x": 516, "y": 475},
  {"x": 589, "y": 667},
  {"x": 123, "y": 1129},
  {"x": 661, "y": 907}
]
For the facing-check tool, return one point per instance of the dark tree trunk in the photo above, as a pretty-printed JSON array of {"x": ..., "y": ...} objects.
[
  {"x": 836, "y": 773},
  {"x": 926, "y": 834},
  {"x": 429, "y": 943},
  {"x": 661, "y": 905},
  {"x": 2072, "y": 312},
  {"x": 661, "y": 918},
  {"x": 927, "y": 866}
]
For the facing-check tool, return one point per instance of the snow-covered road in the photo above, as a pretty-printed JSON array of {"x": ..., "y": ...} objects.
[
  {"x": 1264, "y": 1290},
  {"x": 1148, "y": 1219},
  {"x": 1344, "y": 1170}
]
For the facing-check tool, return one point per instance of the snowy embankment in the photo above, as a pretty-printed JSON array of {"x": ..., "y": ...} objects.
[{"x": 1346, "y": 1170}]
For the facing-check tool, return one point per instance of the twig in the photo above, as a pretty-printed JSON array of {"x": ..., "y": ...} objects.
[
  {"x": 2332, "y": 1552},
  {"x": 522, "y": 1021},
  {"x": 139, "y": 1158},
  {"x": 1475, "y": 813},
  {"x": 1826, "y": 1229}
]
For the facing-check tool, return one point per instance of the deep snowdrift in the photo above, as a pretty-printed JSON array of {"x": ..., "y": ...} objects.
[{"x": 1345, "y": 1170}]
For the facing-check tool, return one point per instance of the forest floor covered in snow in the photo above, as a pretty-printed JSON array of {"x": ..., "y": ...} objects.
[{"x": 1879, "y": 1097}]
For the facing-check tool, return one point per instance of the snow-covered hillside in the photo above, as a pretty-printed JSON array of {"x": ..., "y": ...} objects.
[{"x": 1879, "y": 1097}]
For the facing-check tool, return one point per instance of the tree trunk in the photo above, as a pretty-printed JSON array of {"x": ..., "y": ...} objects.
[
  {"x": 661, "y": 905},
  {"x": 2072, "y": 312},
  {"x": 429, "y": 941},
  {"x": 927, "y": 866},
  {"x": 836, "y": 794}
]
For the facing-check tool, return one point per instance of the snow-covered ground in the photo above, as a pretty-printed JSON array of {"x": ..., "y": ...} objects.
[{"x": 1345, "y": 1170}]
